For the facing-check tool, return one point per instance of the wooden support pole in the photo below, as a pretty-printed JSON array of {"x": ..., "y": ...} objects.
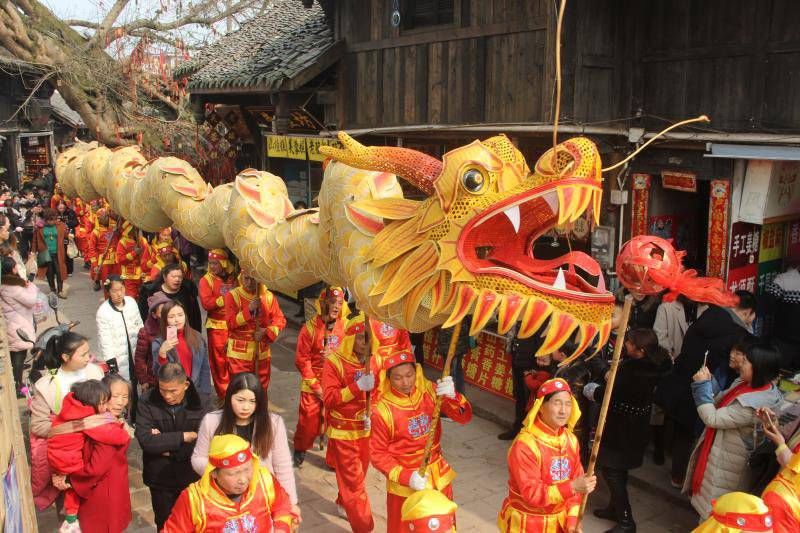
[
  {"x": 437, "y": 410},
  {"x": 612, "y": 375}
]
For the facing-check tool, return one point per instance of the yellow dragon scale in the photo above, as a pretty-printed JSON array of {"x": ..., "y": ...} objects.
[{"x": 467, "y": 248}]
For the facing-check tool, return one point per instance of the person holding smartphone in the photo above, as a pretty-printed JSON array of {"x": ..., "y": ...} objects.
[{"x": 178, "y": 342}]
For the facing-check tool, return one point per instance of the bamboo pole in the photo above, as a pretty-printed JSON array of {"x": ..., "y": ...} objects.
[
  {"x": 612, "y": 376},
  {"x": 437, "y": 410}
]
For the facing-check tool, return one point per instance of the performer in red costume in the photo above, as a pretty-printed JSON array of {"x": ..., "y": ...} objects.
[
  {"x": 546, "y": 480},
  {"x": 213, "y": 287},
  {"x": 345, "y": 383},
  {"x": 782, "y": 495},
  {"x": 235, "y": 493},
  {"x": 401, "y": 421},
  {"x": 317, "y": 338},
  {"x": 104, "y": 243},
  {"x": 254, "y": 321},
  {"x": 128, "y": 254},
  {"x": 166, "y": 254}
]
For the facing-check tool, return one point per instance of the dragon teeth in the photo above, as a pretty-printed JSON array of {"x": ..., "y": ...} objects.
[
  {"x": 513, "y": 216},
  {"x": 560, "y": 283}
]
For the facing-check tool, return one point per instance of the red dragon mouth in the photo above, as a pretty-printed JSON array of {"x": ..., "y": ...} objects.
[{"x": 500, "y": 241}]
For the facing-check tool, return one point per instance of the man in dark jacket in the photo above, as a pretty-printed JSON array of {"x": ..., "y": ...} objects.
[
  {"x": 167, "y": 420},
  {"x": 172, "y": 283},
  {"x": 715, "y": 332}
]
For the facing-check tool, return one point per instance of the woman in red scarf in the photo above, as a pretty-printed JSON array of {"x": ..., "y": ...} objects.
[
  {"x": 178, "y": 342},
  {"x": 718, "y": 463}
]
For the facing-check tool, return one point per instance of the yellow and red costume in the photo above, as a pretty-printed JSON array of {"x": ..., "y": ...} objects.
[
  {"x": 244, "y": 353},
  {"x": 347, "y": 428},
  {"x": 212, "y": 290},
  {"x": 202, "y": 506},
  {"x": 163, "y": 253},
  {"x": 387, "y": 339},
  {"x": 400, "y": 426},
  {"x": 129, "y": 259},
  {"x": 782, "y": 496},
  {"x": 103, "y": 242},
  {"x": 429, "y": 511},
  {"x": 84, "y": 229},
  {"x": 315, "y": 340},
  {"x": 542, "y": 464},
  {"x": 737, "y": 512}
]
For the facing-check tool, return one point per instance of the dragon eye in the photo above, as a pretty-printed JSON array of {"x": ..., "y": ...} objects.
[{"x": 473, "y": 180}]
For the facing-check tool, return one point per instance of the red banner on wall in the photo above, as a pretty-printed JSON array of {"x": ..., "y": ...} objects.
[
  {"x": 641, "y": 195},
  {"x": 486, "y": 366},
  {"x": 718, "y": 228},
  {"x": 679, "y": 181}
]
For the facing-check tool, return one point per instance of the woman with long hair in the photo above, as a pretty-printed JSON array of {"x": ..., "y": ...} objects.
[
  {"x": 245, "y": 412},
  {"x": 17, "y": 301},
  {"x": 180, "y": 343},
  {"x": 67, "y": 359}
]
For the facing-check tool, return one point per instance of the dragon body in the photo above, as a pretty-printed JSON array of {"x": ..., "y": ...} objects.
[{"x": 466, "y": 249}]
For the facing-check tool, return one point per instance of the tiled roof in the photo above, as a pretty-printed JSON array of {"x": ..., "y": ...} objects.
[
  {"x": 265, "y": 52},
  {"x": 68, "y": 115}
]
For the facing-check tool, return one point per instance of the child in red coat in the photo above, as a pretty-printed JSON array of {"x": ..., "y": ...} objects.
[{"x": 83, "y": 416}]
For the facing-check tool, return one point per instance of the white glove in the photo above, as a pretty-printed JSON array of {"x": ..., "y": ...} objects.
[
  {"x": 418, "y": 482},
  {"x": 588, "y": 390},
  {"x": 445, "y": 387},
  {"x": 367, "y": 423},
  {"x": 366, "y": 382}
]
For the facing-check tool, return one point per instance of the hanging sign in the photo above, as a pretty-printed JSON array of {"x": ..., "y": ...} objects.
[
  {"x": 641, "y": 195},
  {"x": 277, "y": 146},
  {"x": 718, "y": 228},
  {"x": 679, "y": 181}
]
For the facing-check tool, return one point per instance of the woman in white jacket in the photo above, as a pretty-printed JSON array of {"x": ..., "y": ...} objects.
[{"x": 118, "y": 325}]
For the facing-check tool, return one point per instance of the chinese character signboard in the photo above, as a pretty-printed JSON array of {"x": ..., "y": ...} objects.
[
  {"x": 793, "y": 240},
  {"x": 641, "y": 195},
  {"x": 680, "y": 181},
  {"x": 743, "y": 278},
  {"x": 486, "y": 366},
  {"x": 745, "y": 242},
  {"x": 771, "y": 248},
  {"x": 277, "y": 146},
  {"x": 718, "y": 228},
  {"x": 298, "y": 147}
]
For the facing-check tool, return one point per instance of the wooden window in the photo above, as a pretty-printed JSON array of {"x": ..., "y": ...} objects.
[{"x": 424, "y": 13}]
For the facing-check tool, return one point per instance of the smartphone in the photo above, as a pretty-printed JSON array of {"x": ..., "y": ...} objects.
[{"x": 172, "y": 333}]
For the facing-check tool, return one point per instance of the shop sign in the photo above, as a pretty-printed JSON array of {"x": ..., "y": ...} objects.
[
  {"x": 793, "y": 241},
  {"x": 745, "y": 240},
  {"x": 679, "y": 181},
  {"x": 277, "y": 146},
  {"x": 766, "y": 273},
  {"x": 313, "y": 147},
  {"x": 771, "y": 242},
  {"x": 743, "y": 278},
  {"x": 296, "y": 148}
]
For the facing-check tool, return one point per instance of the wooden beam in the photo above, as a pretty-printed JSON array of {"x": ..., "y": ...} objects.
[{"x": 457, "y": 34}]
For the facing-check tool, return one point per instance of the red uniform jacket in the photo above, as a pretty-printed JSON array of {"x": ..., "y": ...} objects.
[
  {"x": 212, "y": 290},
  {"x": 264, "y": 507},
  {"x": 782, "y": 496},
  {"x": 400, "y": 427},
  {"x": 129, "y": 260},
  {"x": 65, "y": 451},
  {"x": 309, "y": 356},
  {"x": 242, "y": 325},
  {"x": 345, "y": 404},
  {"x": 103, "y": 242},
  {"x": 542, "y": 464}
]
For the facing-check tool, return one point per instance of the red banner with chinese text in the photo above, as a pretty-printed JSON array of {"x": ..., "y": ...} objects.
[
  {"x": 641, "y": 195},
  {"x": 486, "y": 366},
  {"x": 719, "y": 199},
  {"x": 679, "y": 181}
]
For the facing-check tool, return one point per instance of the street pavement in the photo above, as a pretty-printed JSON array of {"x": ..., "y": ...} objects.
[{"x": 473, "y": 450}]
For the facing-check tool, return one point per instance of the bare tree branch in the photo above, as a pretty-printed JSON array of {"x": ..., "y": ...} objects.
[{"x": 108, "y": 21}]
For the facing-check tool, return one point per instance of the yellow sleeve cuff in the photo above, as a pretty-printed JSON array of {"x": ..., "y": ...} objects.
[
  {"x": 554, "y": 495},
  {"x": 240, "y": 321},
  {"x": 220, "y": 301},
  {"x": 347, "y": 395},
  {"x": 394, "y": 473}
]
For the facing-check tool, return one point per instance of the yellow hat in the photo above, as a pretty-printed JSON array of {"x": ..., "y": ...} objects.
[
  {"x": 548, "y": 387},
  {"x": 428, "y": 510},
  {"x": 226, "y": 451},
  {"x": 735, "y": 512},
  {"x": 221, "y": 256},
  {"x": 352, "y": 327}
]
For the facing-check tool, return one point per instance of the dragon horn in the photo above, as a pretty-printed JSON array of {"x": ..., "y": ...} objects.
[{"x": 417, "y": 168}]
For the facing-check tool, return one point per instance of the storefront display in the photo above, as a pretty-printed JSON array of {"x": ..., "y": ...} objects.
[{"x": 36, "y": 153}]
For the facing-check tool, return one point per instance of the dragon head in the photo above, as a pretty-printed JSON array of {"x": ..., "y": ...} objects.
[{"x": 470, "y": 246}]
